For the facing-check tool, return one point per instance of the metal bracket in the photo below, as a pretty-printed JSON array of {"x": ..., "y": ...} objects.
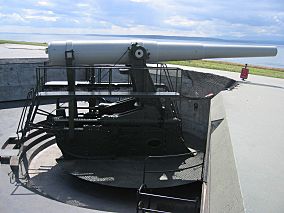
[{"x": 138, "y": 52}]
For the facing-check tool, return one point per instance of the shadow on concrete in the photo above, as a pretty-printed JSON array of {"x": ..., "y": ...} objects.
[
  {"x": 53, "y": 183},
  {"x": 20, "y": 103}
]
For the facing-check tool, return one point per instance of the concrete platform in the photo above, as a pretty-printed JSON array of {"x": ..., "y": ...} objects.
[
  {"x": 21, "y": 51},
  {"x": 254, "y": 115},
  {"x": 57, "y": 191}
]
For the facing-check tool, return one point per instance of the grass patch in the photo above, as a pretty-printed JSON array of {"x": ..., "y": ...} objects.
[
  {"x": 232, "y": 67},
  {"x": 22, "y": 42}
]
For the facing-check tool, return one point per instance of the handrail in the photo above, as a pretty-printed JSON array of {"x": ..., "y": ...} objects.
[
  {"x": 144, "y": 186},
  {"x": 46, "y": 68},
  {"x": 106, "y": 67},
  {"x": 171, "y": 87},
  {"x": 31, "y": 109},
  {"x": 167, "y": 197},
  {"x": 23, "y": 114},
  {"x": 167, "y": 75},
  {"x": 140, "y": 204},
  {"x": 25, "y": 118}
]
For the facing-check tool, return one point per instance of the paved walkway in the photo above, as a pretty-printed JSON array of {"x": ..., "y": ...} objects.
[
  {"x": 255, "y": 115},
  {"x": 21, "y": 51}
]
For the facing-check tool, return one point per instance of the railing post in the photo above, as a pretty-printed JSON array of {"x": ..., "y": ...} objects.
[
  {"x": 69, "y": 57},
  {"x": 109, "y": 79},
  {"x": 99, "y": 75}
]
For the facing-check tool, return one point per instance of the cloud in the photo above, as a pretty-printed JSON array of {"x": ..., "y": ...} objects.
[
  {"x": 83, "y": 5},
  {"x": 220, "y": 28},
  {"x": 39, "y": 15},
  {"x": 263, "y": 19},
  {"x": 42, "y": 18},
  {"x": 45, "y": 3},
  {"x": 183, "y": 21},
  {"x": 141, "y": 1},
  {"x": 11, "y": 18}
]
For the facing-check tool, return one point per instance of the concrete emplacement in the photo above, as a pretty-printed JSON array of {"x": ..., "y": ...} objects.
[
  {"x": 46, "y": 177},
  {"x": 227, "y": 142}
]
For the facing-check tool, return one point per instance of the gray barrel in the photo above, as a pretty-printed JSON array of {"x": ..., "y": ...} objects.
[{"x": 110, "y": 51}]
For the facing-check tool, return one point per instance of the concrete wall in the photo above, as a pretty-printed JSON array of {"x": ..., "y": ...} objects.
[
  {"x": 195, "y": 107},
  {"x": 17, "y": 77},
  {"x": 223, "y": 194},
  {"x": 195, "y": 118}
]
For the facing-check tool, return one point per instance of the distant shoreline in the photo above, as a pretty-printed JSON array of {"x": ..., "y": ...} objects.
[
  {"x": 232, "y": 67},
  {"x": 249, "y": 65},
  {"x": 23, "y": 42},
  {"x": 149, "y": 36}
]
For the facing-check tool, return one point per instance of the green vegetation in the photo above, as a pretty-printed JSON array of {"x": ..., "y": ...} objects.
[
  {"x": 232, "y": 67},
  {"x": 22, "y": 42}
]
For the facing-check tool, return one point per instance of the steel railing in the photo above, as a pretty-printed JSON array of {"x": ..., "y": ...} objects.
[{"x": 141, "y": 191}]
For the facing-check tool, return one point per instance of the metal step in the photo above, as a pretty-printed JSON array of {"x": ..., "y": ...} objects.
[{"x": 6, "y": 154}]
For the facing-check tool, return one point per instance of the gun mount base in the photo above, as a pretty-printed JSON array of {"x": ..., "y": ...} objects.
[{"x": 128, "y": 172}]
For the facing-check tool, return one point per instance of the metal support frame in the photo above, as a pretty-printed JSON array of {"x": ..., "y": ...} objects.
[
  {"x": 142, "y": 191},
  {"x": 140, "y": 76},
  {"x": 69, "y": 57},
  {"x": 140, "y": 204},
  {"x": 143, "y": 103}
]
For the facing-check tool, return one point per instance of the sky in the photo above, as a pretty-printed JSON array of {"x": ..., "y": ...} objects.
[{"x": 239, "y": 19}]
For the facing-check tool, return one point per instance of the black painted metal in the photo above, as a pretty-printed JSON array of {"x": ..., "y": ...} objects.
[
  {"x": 135, "y": 118},
  {"x": 142, "y": 191},
  {"x": 140, "y": 117},
  {"x": 126, "y": 119},
  {"x": 132, "y": 117},
  {"x": 142, "y": 194}
]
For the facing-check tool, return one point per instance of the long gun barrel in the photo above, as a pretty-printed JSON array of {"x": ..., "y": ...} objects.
[{"x": 114, "y": 51}]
